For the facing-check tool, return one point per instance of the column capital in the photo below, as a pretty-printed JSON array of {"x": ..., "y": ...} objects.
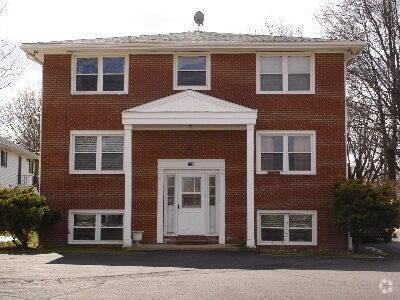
[
  {"x": 250, "y": 126},
  {"x": 128, "y": 126}
]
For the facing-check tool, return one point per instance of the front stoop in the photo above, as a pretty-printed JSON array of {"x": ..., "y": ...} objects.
[{"x": 175, "y": 247}]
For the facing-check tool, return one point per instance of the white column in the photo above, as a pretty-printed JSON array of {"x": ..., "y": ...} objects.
[
  {"x": 222, "y": 207},
  {"x": 128, "y": 186},
  {"x": 250, "y": 186}
]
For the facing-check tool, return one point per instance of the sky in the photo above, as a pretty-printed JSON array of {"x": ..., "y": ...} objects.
[{"x": 47, "y": 20}]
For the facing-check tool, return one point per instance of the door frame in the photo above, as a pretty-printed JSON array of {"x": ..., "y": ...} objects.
[{"x": 214, "y": 166}]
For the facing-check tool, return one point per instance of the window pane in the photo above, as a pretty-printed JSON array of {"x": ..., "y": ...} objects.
[
  {"x": 85, "y": 161},
  {"x": 271, "y": 161},
  {"x": 195, "y": 78},
  {"x": 111, "y": 234},
  {"x": 188, "y": 184},
  {"x": 272, "y": 220},
  {"x": 212, "y": 200},
  {"x": 303, "y": 221},
  {"x": 85, "y": 143},
  {"x": 111, "y": 220},
  {"x": 299, "y": 161},
  {"x": 86, "y": 65},
  {"x": 299, "y": 143},
  {"x": 84, "y": 234},
  {"x": 271, "y": 82},
  {"x": 212, "y": 180},
  {"x": 271, "y": 143},
  {"x": 299, "y": 65},
  {"x": 113, "y": 143},
  {"x": 300, "y": 235},
  {"x": 171, "y": 180},
  {"x": 271, "y": 234},
  {"x": 84, "y": 220},
  {"x": 299, "y": 82},
  {"x": 171, "y": 200},
  {"x": 112, "y": 161},
  {"x": 192, "y": 63},
  {"x": 113, "y": 82},
  {"x": 197, "y": 184},
  {"x": 86, "y": 82},
  {"x": 113, "y": 65},
  {"x": 191, "y": 200},
  {"x": 271, "y": 64}
]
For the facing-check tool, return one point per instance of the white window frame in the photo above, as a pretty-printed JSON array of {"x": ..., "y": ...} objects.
[
  {"x": 285, "y": 134},
  {"x": 285, "y": 56},
  {"x": 99, "y": 134},
  {"x": 99, "y": 73},
  {"x": 193, "y": 87},
  {"x": 5, "y": 153},
  {"x": 286, "y": 241},
  {"x": 98, "y": 213}
]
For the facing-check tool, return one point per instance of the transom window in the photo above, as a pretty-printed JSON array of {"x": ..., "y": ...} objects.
[
  {"x": 191, "y": 192},
  {"x": 287, "y": 227},
  {"x": 286, "y": 152},
  {"x": 285, "y": 74},
  {"x": 192, "y": 72},
  {"x": 96, "y": 153},
  {"x": 101, "y": 74},
  {"x": 3, "y": 158},
  {"x": 95, "y": 227}
]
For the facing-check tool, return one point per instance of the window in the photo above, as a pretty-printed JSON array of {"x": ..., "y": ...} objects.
[
  {"x": 86, "y": 226},
  {"x": 287, "y": 152},
  {"x": 191, "y": 192},
  {"x": 31, "y": 166},
  {"x": 291, "y": 74},
  {"x": 192, "y": 72},
  {"x": 3, "y": 160},
  {"x": 287, "y": 227},
  {"x": 93, "y": 152},
  {"x": 100, "y": 74},
  {"x": 212, "y": 196}
]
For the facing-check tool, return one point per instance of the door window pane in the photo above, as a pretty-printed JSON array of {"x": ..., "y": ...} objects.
[
  {"x": 191, "y": 200},
  {"x": 191, "y": 184}
]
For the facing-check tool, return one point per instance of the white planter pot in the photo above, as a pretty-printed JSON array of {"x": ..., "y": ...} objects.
[{"x": 137, "y": 236}]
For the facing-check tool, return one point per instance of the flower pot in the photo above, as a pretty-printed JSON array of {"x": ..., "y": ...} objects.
[{"x": 137, "y": 236}]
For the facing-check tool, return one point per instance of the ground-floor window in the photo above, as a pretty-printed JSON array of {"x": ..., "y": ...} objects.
[
  {"x": 279, "y": 227},
  {"x": 95, "y": 226}
]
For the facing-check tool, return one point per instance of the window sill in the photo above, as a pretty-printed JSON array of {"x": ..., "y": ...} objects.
[
  {"x": 286, "y": 92},
  {"x": 72, "y": 172},
  {"x": 259, "y": 172},
  {"x": 100, "y": 93},
  {"x": 72, "y": 242},
  {"x": 194, "y": 88}
]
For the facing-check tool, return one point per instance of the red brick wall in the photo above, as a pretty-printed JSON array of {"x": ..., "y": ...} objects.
[{"x": 233, "y": 79}]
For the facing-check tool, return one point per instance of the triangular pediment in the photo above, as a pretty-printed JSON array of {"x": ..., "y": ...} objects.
[{"x": 190, "y": 101}]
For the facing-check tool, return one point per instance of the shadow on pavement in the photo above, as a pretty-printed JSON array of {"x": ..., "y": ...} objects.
[{"x": 230, "y": 260}]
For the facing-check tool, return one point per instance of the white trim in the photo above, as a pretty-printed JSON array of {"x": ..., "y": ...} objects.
[
  {"x": 286, "y": 235},
  {"x": 100, "y": 57},
  {"x": 96, "y": 212},
  {"x": 209, "y": 166},
  {"x": 250, "y": 186},
  {"x": 208, "y": 71},
  {"x": 97, "y": 133},
  {"x": 285, "y": 56},
  {"x": 128, "y": 186},
  {"x": 285, "y": 171}
]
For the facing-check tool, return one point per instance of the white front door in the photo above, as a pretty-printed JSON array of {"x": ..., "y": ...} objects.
[{"x": 191, "y": 204}]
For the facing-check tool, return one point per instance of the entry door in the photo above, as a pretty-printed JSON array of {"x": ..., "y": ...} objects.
[{"x": 191, "y": 204}]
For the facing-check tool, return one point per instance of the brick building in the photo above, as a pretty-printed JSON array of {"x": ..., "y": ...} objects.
[{"x": 194, "y": 136}]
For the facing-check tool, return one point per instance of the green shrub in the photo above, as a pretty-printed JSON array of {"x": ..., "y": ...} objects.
[
  {"x": 363, "y": 208},
  {"x": 23, "y": 213}
]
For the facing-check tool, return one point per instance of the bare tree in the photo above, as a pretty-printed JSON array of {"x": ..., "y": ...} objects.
[
  {"x": 10, "y": 66},
  {"x": 22, "y": 116},
  {"x": 374, "y": 78}
]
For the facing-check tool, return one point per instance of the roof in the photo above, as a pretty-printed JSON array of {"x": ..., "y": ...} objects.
[
  {"x": 13, "y": 147},
  {"x": 191, "y": 41}
]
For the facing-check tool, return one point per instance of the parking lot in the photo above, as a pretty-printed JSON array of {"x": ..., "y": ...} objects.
[{"x": 189, "y": 274}]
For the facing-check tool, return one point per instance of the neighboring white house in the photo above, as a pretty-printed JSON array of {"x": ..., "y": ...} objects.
[{"x": 17, "y": 165}]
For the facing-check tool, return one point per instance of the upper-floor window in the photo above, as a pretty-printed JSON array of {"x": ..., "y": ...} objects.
[
  {"x": 100, "y": 74},
  {"x": 287, "y": 152},
  {"x": 285, "y": 74},
  {"x": 96, "y": 152},
  {"x": 3, "y": 160},
  {"x": 192, "y": 71}
]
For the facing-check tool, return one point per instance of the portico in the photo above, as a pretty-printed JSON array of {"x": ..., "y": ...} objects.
[{"x": 191, "y": 201}]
